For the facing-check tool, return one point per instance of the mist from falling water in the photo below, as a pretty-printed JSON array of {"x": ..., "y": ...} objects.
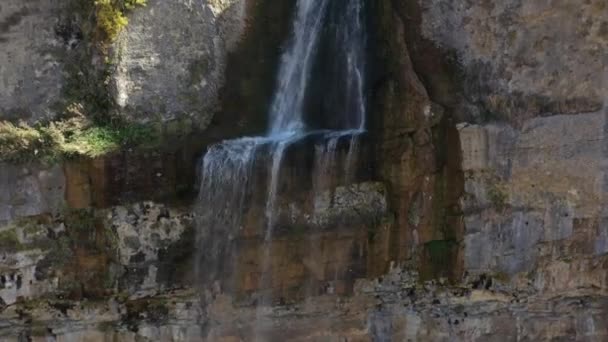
[{"x": 226, "y": 174}]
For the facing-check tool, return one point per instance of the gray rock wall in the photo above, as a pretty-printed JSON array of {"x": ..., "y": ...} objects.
[
  {"x": 535, "y": 201},
  {"x": 30, "y": 191},
  {"x": 30, "y": 69},
  {"x": 532, "y": 86},
  {"x": 168, "y": 62},
  {"x": 524, "y": 58},
  {"x": 170, "y": 59},
  {"x": 536, "y": 83}
]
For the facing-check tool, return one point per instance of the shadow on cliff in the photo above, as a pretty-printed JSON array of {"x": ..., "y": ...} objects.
[{"x": 414, "y": 102}]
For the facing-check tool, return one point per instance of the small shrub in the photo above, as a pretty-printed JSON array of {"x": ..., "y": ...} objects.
[
  {"x": 100, "y": 140},
  {"x": 111, "y": 15},
  {"x": 92, "y": 142},
  {"x": 22, "y": 143},
  {"x": 131, "y": 4}
]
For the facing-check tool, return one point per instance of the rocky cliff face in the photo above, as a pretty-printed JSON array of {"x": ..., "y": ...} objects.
[
  {"x": 169, "y": 61},
  {"x": 527, "y": 98},
  {"x": 477, "y": 212},
  {"x": 516, "y": 62},
  {"x": 171, "y": 58}
]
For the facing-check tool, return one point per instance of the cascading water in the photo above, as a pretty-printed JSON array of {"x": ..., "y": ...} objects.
[
  {"x": 320, "y": 90},
  {"x": 287, "y": 116},
  {"x": 226, "y": 174}
]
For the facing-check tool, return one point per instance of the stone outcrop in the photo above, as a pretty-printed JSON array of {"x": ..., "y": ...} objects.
[
  {"x": 171, "y": 58},
  {"x": 521, "y": 59},
  {"x": 527, "y": 101},
  {"x": 168, "y": 63}
]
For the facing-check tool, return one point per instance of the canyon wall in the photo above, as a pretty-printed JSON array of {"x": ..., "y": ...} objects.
[
  {"x": 530, "y": 111},
  {"x": 483, "y": 167}
]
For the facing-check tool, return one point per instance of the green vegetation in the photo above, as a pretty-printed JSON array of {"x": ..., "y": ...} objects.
[
  {"x": 21, "y": 142},
  {"x": 98, "y": 140},
  {"x": 69, "y": 138},
  {"x": 9, "y": 241},
  {"x": 111, "y": 16},
  {"x": 497, "y": 196}
]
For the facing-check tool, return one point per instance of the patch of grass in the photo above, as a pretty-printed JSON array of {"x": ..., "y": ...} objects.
[
  {"x": 99, "y": 140},
  {"x": 94, "y": 141},
  {"x": 20, "y": 143}
]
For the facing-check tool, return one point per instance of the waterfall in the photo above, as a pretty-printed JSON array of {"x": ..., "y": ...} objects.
[
  {"x": 352, "y": 36},
  {"x": 320, "y": 89},
  {"x": 287, "y": 107},
  {"x": 226, "y": 174}
]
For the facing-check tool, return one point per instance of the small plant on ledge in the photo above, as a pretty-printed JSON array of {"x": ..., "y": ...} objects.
[
  {"x": 48, "y": 143},
  {"x": 111, "y": 15}
]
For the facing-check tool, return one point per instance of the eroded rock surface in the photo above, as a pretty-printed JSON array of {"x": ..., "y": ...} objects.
[
  {"x": 535, "y": 201},
  {"x": 171, "y": 58},
  {"x": 168, "y": 62},
  {"x": 31, "y": 71},
  {"x": 523, "y": 58}
]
